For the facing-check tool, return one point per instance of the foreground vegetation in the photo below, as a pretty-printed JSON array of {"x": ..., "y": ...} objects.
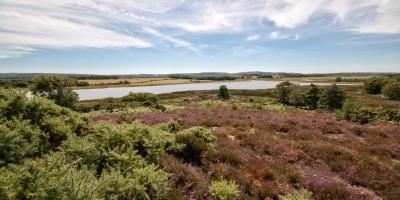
[{"x": 290, "y": 143}]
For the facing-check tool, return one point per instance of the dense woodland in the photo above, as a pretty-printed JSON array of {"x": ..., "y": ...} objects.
[{"x": 291, "y": 143}]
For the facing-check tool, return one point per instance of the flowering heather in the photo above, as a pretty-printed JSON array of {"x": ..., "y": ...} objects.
[{"x": 269, "y": 153}]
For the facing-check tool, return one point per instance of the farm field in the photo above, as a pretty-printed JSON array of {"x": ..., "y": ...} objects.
[{"x": 96, "y": 83}]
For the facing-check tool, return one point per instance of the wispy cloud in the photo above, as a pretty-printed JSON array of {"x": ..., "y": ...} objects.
[
  {"x": 27, "y": 25},
  {"x": 253, "y": 37}
]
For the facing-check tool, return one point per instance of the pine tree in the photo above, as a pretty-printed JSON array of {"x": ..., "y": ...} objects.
[
  {"x": 332, "y": 97},
  {"x": 312, "y": 97},
  {"x": 223, "y": 92}
]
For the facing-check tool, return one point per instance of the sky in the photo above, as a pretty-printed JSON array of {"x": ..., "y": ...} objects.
[{"x": 183, "y": 36}]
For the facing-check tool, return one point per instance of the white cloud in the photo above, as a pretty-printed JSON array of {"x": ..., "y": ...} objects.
[
  {"x": 253, "y": 37},
  {"x": 99, "y": 23},
  {"x": 276, "y": 35}
]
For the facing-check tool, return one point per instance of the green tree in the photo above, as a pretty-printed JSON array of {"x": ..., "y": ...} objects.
[
  {"x": 282, "y": 92},
  {"x": 332, "y": 97},
  {"x": 374, "y": 85},
  {"x": 312, "y": 97},
  {"x": 296, "y": 96},
  {"x": 392, "y": 90},
  {"x": 56, "y": 88},
  {"x": 223, "y": 92}
]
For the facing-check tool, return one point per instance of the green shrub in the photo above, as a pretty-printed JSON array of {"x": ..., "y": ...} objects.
[
  {"x": 56, "y": 177},
  {"x": 223, "y": 92},
  {"x": 296, "y": 96},
  {"x": 282, "y": 92},
  {"x": 202, "y": 133},
  {"x": 193, "y": 147},
  {"x": 145, "y": 183},
  {"x": 34, "y": 126},
  {"x": 171, "y": 126},
  {"x": 224, "y": 190},
  {"x": 18, "y": 140},
  {"x": 375, "y": 85},
  {"x": 48, "y": 178},
  {"x": 387, "y": 114},
  {"x": 354, "y": 112},
  {"x": 301, "y": 194},
  {"x": 141, "y": 97},
  {"x": 332, "y": 97},
  {"x": 392, "y": 90},
  {"x": 147, "y": 141}
]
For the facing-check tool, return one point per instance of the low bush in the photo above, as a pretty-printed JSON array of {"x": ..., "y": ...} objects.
[
  {"x": 184, "y": 178},
  {"x": 354, "y": 112},
  {"x": 202, "y": 133},
  {"x": 171, "y": 126},
  {"x": 392, "y": 90},
  {"x": 193, "y": 147},
  {"x": 375, "y": 85},
  {"x": 141, "y": 97},
  {"x": 224, "y": 190}
]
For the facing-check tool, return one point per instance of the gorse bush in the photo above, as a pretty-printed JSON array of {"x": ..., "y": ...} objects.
[
  {"x": 50, "y": 152},
  {"x": 224, "y": 190},
  {"x": 202, "y": 133},
  {"x": 354, "y": 112},
  {"x": 171, "y": 126},
  {"x": 31, "y": 127}
]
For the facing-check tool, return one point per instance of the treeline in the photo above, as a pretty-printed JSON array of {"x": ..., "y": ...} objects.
[
  {"x": 313, "y": 97},
  {"x": 334, "y": 99},
  {"x": 196, "y": 77},
  {"x": 27, "y": 82}
]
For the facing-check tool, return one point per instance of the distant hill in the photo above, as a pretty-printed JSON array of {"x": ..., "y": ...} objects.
[{"x": 201, "y": 75}]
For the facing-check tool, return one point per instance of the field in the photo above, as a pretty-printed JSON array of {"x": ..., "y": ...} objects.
[
  {"x": 138, "y": 81},
  {"x": 327, "y": 79},
  {"x": 122, "y": 82}
]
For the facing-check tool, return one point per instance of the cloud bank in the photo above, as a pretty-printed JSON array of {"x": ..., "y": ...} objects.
[{"x": 26, "y": 25}]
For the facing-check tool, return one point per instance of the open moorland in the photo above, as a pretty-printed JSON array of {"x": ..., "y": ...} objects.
[{"x": 292, "y": 142}]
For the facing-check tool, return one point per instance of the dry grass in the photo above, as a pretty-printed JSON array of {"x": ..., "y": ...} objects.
[{"x": 323, "y": 79}]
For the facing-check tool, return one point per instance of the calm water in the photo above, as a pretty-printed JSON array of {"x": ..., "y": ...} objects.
[{"x": 87, "y": 94}]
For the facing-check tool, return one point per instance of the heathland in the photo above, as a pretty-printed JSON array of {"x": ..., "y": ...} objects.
[{"x": 292, "y": 142}]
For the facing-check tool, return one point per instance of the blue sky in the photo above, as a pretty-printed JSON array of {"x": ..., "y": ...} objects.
[{"x": 176, "y": 36}]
